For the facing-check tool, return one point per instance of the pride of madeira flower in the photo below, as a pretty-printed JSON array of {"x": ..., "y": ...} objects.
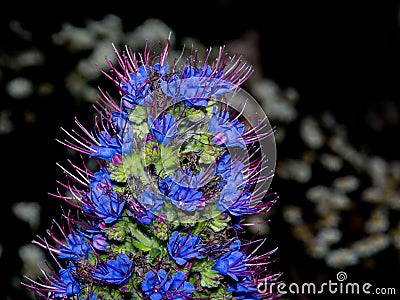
[{"x": 180, "y": 167}]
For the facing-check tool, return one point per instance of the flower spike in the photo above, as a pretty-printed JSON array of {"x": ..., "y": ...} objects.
[{"x": 184, "y": 155}]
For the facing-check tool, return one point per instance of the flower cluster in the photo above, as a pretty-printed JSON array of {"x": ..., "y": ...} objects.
[{"x": 179, "y": 169}]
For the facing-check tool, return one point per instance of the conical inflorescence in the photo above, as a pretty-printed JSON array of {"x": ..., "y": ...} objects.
[{"x": 181, "y": 163}]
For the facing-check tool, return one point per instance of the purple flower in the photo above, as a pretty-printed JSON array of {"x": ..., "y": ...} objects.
[
  {"x": 135, "y": 89},
  {"x": 77, "y": 247},
  {"x": 184, "y": 248},
  {"x": 115, "y": 271},
  {"x": 163, "y": 128},
  {"x": 100, "y": 242},
  {"x": 232, "y": 263},
  {"x": 66, "y": 285},
  {"x": 101, "y": 200}
]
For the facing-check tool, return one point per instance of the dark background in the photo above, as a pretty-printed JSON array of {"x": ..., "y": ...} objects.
[{"x": 340, "y": 56}]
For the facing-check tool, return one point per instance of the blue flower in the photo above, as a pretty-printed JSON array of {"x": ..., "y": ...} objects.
[
  {"x": 230, "y": 170},
  {"x": 127, "y": 141},
  {"x": 155, "y": 284},
  {"x": 224, "y": 162},
  {"x": 195, "y": 85},
  {"x": 122, "y": 124},
  {"x": 184, "y": 248},
  {"x": 179, "y": 288},
  {"x": 244, "y": 289},
  {"x": 115, "y": 271},
  {"x": 120, "y": 120},
  {"x": 233, "y": 197},
  {"x": 109, "y": 142},
  {"x": 161, "y": 70},
  {"x": 145, "y": 216},
  {"x": 77, "y": 247},
  {"x": 182, "y": 196},
  {"x": 66, "y": 285},
  {"x": 232, "y": 263},
  {"x": 235, "y": 201},
  {"x": 101, "y": 200},
  {"x": 109, "y": 146},
  {"x": 144, "y": 209},
  {"x": 225, "y": 132},
  {"x": 91, "y": 296},
  {"x": 225, "y": 167},
  {"x": 187, "y": 178},
  {"x": 151, "y": 200},
  {"x": 135, "y": 89},
  {"x": 186, "y": 198},
  {"x": 228, "y": 196},
  {"x": 163, "y": 128}
]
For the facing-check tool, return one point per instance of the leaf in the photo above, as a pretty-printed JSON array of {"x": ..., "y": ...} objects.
[
  {"x": 219, "y": 221},
  {"x": 134, "y": 167},
  {"x": 152, "y": 153},
  {"x": 169, "y": 160},
  {"x": 117, "y": 173},
  {"x": 139, "y": 119},
  {"x": 171, "y": 213},
  {"x": 209, "y": 278}
]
